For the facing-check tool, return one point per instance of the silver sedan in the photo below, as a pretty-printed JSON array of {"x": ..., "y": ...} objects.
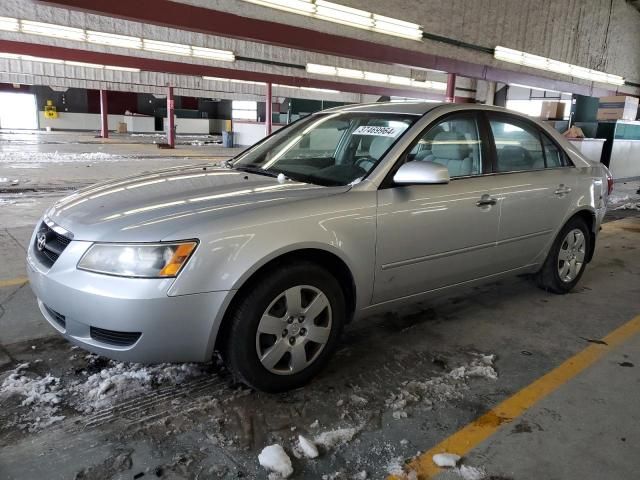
[{"x": 342, "y": 214}]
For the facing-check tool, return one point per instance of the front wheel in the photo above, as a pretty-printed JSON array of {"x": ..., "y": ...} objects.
[
  {"x": 566, "y": 260},
  {"x": 285, "y": 327}
]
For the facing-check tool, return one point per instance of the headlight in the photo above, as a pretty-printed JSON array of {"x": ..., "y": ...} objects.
[{"x": 137, "y": 260}]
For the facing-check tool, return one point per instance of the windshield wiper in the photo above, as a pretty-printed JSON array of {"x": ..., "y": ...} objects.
[{"x": 256, "y": 170}]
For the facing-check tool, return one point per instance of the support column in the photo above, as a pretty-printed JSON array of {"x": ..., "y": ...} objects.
[
  {"x": 104, "y": 115},
  {"x": 268, "y": 110},
  {"x": 451, "y": 88},
  {"x": 171, "y": 126}
]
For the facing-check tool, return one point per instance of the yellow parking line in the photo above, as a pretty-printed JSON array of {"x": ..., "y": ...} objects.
[
  {"x": 470, "y": 436},
  {"x": 14, "y": 281}
]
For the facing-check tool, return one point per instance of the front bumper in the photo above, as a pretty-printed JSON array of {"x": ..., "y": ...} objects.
[{"x": 78, "y": 303}]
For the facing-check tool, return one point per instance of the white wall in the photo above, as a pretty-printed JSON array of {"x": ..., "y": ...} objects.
[
  {"x": 77, "y": 121},
  {"x": 248, "y": 133},
  {"x": 197, "y": 126}
]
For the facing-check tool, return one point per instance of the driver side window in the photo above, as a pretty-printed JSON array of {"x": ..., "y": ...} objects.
[{"x": 454, "y": 143}]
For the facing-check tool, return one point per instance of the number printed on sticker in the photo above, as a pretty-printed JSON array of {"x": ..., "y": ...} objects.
[{"x": 378, "y": 131}]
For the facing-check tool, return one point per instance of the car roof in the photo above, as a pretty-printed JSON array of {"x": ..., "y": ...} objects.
[{"x": 408, "y": 107}]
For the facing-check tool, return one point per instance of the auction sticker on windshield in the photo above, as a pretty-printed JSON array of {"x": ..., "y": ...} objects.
[{"x": 378, "y": 131}]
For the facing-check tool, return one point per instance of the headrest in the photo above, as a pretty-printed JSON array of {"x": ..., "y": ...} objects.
[
  {"x": 511, "y": 157},
  {"x": 379, "y": 145},
  {"x": 450, "y": 146}
]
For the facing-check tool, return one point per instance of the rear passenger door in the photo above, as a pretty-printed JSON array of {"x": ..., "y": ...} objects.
[{"x": 534, "y": 180}]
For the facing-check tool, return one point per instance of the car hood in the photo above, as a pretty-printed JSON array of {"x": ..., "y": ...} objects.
[{"x": 156, "y": 206}]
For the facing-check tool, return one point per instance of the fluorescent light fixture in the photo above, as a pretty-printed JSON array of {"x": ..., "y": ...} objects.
[
  {"x": 247, "y": 82},
  {"x": 321, "y": 69},
  {"x": 349, "y": 73},
  {"x": 335, "y": 12},
  {"x": 529, "y": 87},
  {"x": 232, "y": 80},
  {"x": 40, "y": 59},
  {"x": 67, "y": 62},
  {"x": 114, "y": 40},
  {"x": 429, "y": 84},
  {"x": 323, "y": 90},
  {"x": 52, "y": 30},
  {"x": 166, "y": 47},
  {"x": 398, "y": 28},
  {"x": 9, "y": 24},
  {"x": 213, "y": 54},
  {"x": 353, "y": 17},
  {"x": 555, "y": 66},
  {"x": 216, "y": 79},
  {"x": 373, "y": 76},
  {"x": 396, "y": 80},
  {"x": 376, "y": 77},
  {"x": 122, "y": 69},
  {"x": 305, "y": 7},
  {"x": 83, "y": 64}
]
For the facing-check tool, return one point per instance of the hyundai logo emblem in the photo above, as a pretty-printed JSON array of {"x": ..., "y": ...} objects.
[{"x": 41, "y": 241}]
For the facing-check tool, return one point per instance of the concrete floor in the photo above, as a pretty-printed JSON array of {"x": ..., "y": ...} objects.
[{"x": 208, "y": 427}]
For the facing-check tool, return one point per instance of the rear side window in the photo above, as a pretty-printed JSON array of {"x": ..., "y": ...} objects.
[
  {"x": 518, "y": 146},
  {"x": 554, "y": 156}
]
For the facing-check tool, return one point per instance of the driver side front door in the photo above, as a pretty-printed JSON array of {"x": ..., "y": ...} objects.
[{"x": 434, "y": 236}]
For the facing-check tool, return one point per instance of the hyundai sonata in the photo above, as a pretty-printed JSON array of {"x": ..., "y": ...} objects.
[{"x": 344, "y": 213}]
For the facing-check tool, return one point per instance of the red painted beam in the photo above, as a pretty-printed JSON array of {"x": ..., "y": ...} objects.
[
  {"x": 449, "y": 96},
  {"x": 165, "y": 66},
  {"x": 268, "y": 110},
  {"x": 104, "y": 115},
  {"x": 215, "y": 22},
  {"x": 171, "y": 121}
]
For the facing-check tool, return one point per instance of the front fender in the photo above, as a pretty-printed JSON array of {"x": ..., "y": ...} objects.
[{"x": 343, "y": 225}]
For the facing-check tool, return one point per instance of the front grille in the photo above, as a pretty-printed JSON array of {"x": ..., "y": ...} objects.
[
  {"x": 112, "y": 337},
  {"x": 57, "y": 317},
  {"x": 49, "y": 244}
]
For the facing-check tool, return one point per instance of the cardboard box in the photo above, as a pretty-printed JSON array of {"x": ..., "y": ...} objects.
[
  {"x": 617, "y": 108},
  {"x": 552, "y": 110},
  {"x": 122, "y": 127}
]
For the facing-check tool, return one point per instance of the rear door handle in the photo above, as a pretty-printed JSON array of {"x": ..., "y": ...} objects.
[
  {"x": 562, "y": 190},
  {"x": 486, "y": 200}
]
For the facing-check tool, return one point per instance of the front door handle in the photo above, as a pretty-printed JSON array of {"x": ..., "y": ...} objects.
[
  {"x": 562, "y": 190},
  {"x": 486, "y": 200}
]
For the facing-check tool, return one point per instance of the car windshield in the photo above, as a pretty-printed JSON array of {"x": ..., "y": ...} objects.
[{"x": 326, "y": 149}]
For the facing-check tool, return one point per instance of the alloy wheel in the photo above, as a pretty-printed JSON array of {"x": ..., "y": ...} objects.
[
  {"x": 571, "y": 255},
  {"x": 293, "y": 330}
]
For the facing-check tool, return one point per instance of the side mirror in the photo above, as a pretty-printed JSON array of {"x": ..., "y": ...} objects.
[{"x": 421, "y": 173}]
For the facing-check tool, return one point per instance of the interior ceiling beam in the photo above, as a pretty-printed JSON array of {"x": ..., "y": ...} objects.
[
  {"x": 179, "y": 68},
  {"x": 214, "y": 22}
]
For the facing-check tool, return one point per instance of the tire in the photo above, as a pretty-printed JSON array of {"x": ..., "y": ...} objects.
[
  {"x": 266, "y": 322},
  {"x": 558, "y": 274}
]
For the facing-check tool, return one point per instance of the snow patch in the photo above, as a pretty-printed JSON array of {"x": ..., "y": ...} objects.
[
  {"x": 31, "y": 158},
  {"x": 125, "y": 380},
  {"x": 629, "y": 206},
  {"x": 41, "y": 394},
  {"x": 396, "y": 468},
  {"x": 275, "y": 459},
  {"x": 471, "y": 473},
  {"x": 307, "y": 447},
  {"x": 335, "y": 438},
  {"x": 447, "y": 460},
  {"x": 440, "y": 389}
]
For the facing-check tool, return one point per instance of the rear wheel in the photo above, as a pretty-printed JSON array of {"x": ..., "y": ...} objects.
[
  {"x": 566, "y": 261},
  {"x": 285, "y": 327}
]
